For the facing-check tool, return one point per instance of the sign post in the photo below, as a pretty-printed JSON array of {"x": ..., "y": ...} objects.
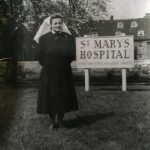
[
  {"x": 124, "y": 80},
  {"x": 87, "y": 79},
  {"x": 105, "y": 52},
  {"x": 87, "y": 76}
]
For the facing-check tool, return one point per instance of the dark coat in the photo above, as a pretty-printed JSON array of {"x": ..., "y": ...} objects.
[{"x": 56, "y": 90}]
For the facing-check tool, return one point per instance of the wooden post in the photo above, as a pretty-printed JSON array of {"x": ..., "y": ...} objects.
[
  {"x": 87, "y": 81},
  {"x": 124, "y": 80},
  {"x": 87, "y": 76}
]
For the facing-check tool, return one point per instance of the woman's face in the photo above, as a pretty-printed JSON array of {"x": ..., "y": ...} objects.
[{"x": 56, "y": 24}]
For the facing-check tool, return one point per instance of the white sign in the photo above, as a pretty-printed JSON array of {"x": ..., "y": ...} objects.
[{"x": 105, "y": 52}]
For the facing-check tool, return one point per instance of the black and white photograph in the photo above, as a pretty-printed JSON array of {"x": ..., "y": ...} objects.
[{"x": 75, "y": 75}]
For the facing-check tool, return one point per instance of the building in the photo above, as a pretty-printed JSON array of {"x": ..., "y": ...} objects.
[{"x": 139, "y": 27}]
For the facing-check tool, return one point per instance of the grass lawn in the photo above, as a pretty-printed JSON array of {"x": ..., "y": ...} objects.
[{"x": 108, "y": 119}]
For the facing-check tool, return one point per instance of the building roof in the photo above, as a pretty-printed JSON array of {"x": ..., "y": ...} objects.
[{"x": 110, "y": 27}]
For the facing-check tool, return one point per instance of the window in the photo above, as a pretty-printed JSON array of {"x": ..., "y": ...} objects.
[
  {"x": 94, "y": 34},
  {"x": 118, "y": 33},
  {"x": 134, "y": 24},
  {"x": 140, "y": 45},
  {"x": 141, "y": 33},
  {"x": 141, "y": 56},
  {"x": 120, "y": 25},
  {"x": 123, "y": 34}
]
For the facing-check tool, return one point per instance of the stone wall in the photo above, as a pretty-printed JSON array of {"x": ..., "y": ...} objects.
[{"x": 30, "y": 70}]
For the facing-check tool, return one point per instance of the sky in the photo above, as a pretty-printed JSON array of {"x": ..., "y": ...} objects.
[{"x": 124, "y": 9}]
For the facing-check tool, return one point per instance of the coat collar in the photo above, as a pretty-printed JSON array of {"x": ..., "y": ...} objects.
[{"x": 56, "y": 32}]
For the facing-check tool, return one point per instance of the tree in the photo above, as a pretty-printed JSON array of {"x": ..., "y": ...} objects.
[
  {"x": 11, "y": 15},
  {"x": 82, "y": 12},
  {"x": 78, "y": 14},
  {"x": 75, "y": 12}
]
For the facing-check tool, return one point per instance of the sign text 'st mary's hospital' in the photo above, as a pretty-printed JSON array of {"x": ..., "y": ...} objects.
[
  {"x": 103, "y": 48},
  {"x": 105, "y": 52}
]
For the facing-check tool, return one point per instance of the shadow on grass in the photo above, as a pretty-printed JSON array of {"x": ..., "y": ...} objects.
[{"x": 87, "y": 120}]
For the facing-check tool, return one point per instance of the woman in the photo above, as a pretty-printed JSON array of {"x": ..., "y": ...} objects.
[{"x": 56, "y": 92}]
